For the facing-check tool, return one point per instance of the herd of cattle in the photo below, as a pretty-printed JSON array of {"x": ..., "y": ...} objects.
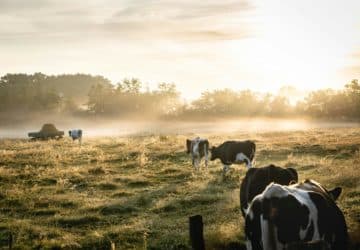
[{"x": 279, "y": 212}]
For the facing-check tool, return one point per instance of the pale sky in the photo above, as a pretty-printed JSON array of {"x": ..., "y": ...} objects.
[{"x": 199, "y": 45}]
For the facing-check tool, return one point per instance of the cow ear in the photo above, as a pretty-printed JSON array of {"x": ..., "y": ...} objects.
[
  {"x": 335, "y": 193},
  {"x": 294, "y": 173}
]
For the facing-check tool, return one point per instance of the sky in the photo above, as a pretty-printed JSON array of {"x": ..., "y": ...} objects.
[{"x": 198, "y": 45}]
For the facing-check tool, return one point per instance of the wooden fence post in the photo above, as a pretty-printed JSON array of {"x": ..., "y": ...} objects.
[
  {"x": 10, "y": 240},
  {"x": 196, "y": 232}
]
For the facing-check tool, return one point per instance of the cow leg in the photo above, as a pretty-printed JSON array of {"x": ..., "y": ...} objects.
[
  {"x": 193, "y": 161},
  {"x": 197, "y": 163},
  {"x": 226, "y": 168},
  {"x": 206, "y": 160}
]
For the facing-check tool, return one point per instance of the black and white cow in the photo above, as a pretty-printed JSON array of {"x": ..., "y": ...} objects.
[
  {"x": 288, "y": 217},
  {"x": 76, "y": 134},
  {"x": 198, "y": 148},
  {"x": 237, "y": 152},
  {"x": 257, "y": 179}
]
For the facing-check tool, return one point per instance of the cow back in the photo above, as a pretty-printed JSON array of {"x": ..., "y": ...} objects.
[
  {"x": 228, "y": 150},
  {"x": 285, "y": 216},
  {"x": 256, "y": 180}
]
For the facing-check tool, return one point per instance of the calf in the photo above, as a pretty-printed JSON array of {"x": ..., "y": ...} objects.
[
  {"x": 256, "y": 180},
  {"x": 198, "y": 148},
  {"x": 76, "y": 134},
  {"x": 234, "y": 152},
  {"x": 288, "y": 217}
]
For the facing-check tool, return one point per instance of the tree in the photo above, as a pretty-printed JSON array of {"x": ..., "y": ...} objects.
[
  {"x": 131, "y": 86},
  {"x": 352, "y": 92},
  {"x": 99, "y": 96}
]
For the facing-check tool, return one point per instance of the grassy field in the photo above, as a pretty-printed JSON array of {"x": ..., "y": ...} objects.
[{"x": 137, "y": 192}]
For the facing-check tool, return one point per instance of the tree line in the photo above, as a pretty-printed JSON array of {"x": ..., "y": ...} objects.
[{"x": 89, "y": 95}]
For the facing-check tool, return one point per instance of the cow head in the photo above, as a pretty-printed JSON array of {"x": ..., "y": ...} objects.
[{"x": 214, "y": 153}]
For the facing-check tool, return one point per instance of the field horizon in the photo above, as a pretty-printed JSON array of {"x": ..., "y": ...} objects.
[
  {"x": 137, "y": 191},
  {"x": 101, "y": 127}
]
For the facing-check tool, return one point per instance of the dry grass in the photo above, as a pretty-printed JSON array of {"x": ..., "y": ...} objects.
[{"x": 138, "y": 192}]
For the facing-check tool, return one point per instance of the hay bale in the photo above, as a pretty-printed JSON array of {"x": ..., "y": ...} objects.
[{"x": 48, "y": 128}]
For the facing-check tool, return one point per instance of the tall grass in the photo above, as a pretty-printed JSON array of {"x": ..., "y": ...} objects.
[{"x": 138, "y": 192}]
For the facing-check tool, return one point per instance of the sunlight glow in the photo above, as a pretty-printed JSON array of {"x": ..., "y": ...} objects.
[{"x": 248, "y": 44}]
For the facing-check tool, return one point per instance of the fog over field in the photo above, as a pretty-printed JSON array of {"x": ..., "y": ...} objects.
[{"x": 98, "y": 128}]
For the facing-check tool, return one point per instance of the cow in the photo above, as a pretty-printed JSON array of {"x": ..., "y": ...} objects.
[
  {"x": 288, "y": 217},
  {"x": 76, "y": 134},
  {"x": 257, "y": 179},
  {"x": 198, "y": 148},
  {"x": 234, "y": 152}
]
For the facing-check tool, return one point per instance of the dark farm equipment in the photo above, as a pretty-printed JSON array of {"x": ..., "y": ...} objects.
[{"x": 48, "y": 131}]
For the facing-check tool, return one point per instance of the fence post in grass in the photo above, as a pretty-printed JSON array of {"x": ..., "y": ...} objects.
[
  {"x": 196, "y": 232},
  {"x": 10, "y": 240}
]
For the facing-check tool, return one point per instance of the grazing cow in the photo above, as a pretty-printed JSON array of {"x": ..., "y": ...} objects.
[
  {"x": 256, "y": 180},
  {"x": 234, "y": 152},
  {"x": 76, "y": 134},
  {"x": 198, "y": 148},
  {"x": 289, "y": 217}
]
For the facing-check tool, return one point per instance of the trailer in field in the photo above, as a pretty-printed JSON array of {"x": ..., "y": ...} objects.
[{"x": 48, "y": 131}]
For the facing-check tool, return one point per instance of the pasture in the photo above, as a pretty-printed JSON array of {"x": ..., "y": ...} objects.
[{"x": 137, "y": 192}]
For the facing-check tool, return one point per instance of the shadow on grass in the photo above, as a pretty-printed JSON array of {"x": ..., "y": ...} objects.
[
  {"x": 117, "y": 209},
  {"x": 71, "y": 222},
  {"x": 338, "y": 152},
  {"x": 173, "y": 157}
]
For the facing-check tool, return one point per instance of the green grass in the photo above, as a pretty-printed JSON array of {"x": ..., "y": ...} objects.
[{"x": 138, "y": 192}]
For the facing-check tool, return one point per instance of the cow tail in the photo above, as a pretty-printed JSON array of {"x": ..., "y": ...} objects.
[
  {"x": 254, "y": 149},
  {"x": 271, "y": 227},
  {"x": 206, "y": 147},
  {"x": 206, "y": 152},
  {"x": 272, "y": 235},
  {"x": 253, "y": 153}
]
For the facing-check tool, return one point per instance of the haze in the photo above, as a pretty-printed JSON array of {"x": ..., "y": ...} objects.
[
  {"x": 111, "y": 128},
  {"x": 258, "y": 45}
]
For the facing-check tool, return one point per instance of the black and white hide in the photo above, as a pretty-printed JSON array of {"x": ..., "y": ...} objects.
[
  {"x": 198, "y": 148},
  {"x": 76, "y": 134},
  {"x": 234, "y": 152}
]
